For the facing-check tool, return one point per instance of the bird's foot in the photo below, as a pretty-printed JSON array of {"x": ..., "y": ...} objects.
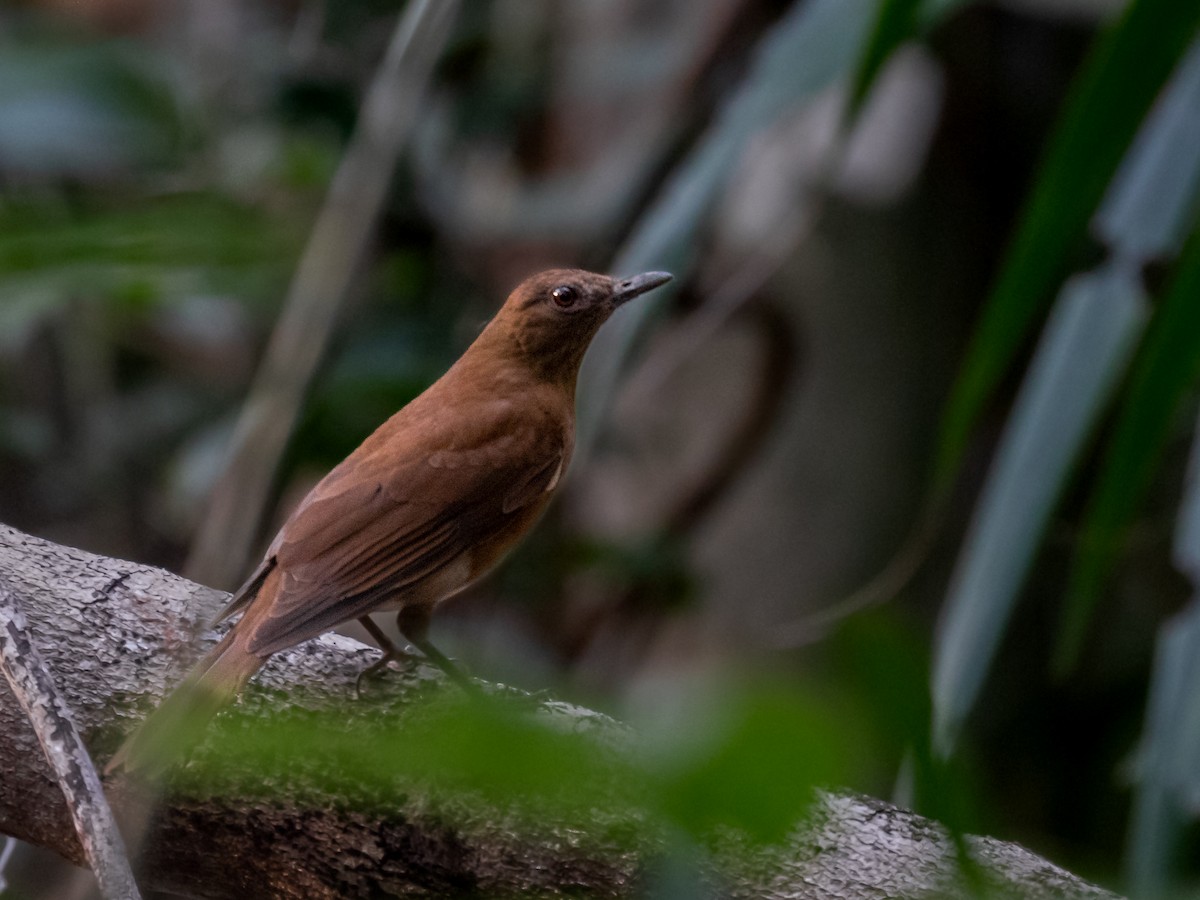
[
  {"x": 376, "y": 670},
  {"x": 520, "y": 700}
]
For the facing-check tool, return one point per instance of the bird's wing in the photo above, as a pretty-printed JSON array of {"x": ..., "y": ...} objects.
[
  {"x": 246, "y": 593},
  {"x": 384, "y": 520}
]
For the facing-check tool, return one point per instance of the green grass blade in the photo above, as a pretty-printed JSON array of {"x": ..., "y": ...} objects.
[
  {"x": 1148, "y": 212},
  {"x": 895, "y": 23},
  {"x": 1124, "y": 73},
  {"x": 1167, "y": 367},
  {"x": 1088, "y": 340},
  {"x": 1165, "y": 765}
]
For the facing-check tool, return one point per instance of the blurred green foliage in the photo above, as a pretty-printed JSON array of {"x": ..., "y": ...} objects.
[
  {"x": 1124, "y": 74},
  {"x": 1142, "y": 79},
  {"x": 134, "y": 256},
  {"x": 1167, "y": 368},
  {"x": 746, "y": 755},
  {"x": 85, "y": 108},
  {"x": 895, "y": 23}
]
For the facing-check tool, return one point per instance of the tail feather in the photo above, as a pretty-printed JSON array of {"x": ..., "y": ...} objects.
[{"x": 179, "y": 721}]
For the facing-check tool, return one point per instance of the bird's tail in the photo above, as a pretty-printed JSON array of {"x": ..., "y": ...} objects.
[{"x": 179, "y": 721}]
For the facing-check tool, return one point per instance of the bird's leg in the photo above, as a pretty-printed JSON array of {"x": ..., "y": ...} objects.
[
  {"x": 389, "y": 649},
  {"x": 390, "y": 653},
  {"x": 413, "y": 622}
]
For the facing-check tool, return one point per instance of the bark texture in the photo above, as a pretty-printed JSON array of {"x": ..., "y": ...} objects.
[
  {"x": 116, "y": 634},
  {"x": 35, "y": 691}
]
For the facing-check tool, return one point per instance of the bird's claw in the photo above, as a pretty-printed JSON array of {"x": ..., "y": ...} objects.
[{"x": 375, "y": 670}]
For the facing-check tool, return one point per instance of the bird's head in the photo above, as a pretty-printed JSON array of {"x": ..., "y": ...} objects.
[{"x": 550, "y": 318}]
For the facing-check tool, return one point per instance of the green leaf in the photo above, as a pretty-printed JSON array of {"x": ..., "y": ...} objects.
[
  {"x": 1166, "y": 780},
  {"x": 445, "y": 750},
  {"x": 1167, "y": 366},
  {"x": 1084, "y": 350},
  {"x": 749, "y": 759},
  {"x": 753, "y": 759},
  {"x": 1124, "y": 73},
  {"x": 1165, "y": 770},
  {"x": 1154, "y": 197},
  {"x": 895, "y": 23}
]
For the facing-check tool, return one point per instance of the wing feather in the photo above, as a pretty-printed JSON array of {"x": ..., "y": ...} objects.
[{"x": 386, "y": 519}]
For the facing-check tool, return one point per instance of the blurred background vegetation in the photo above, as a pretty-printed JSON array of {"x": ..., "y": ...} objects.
[{"x": 909, "y": 435}]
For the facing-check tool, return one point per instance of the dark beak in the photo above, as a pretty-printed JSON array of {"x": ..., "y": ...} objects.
[{"x": 628, "y": 288}]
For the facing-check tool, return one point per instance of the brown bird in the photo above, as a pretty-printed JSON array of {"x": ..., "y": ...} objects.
[{"x": 425, "y": 506}]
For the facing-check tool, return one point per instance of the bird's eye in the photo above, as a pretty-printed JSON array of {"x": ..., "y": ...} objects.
[{"x": 564, "y": 295}]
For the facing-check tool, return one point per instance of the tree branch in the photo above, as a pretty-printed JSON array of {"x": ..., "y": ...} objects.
[
  {"x": 115, "y": 634},
  {"x": 78, "y": 781}
]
